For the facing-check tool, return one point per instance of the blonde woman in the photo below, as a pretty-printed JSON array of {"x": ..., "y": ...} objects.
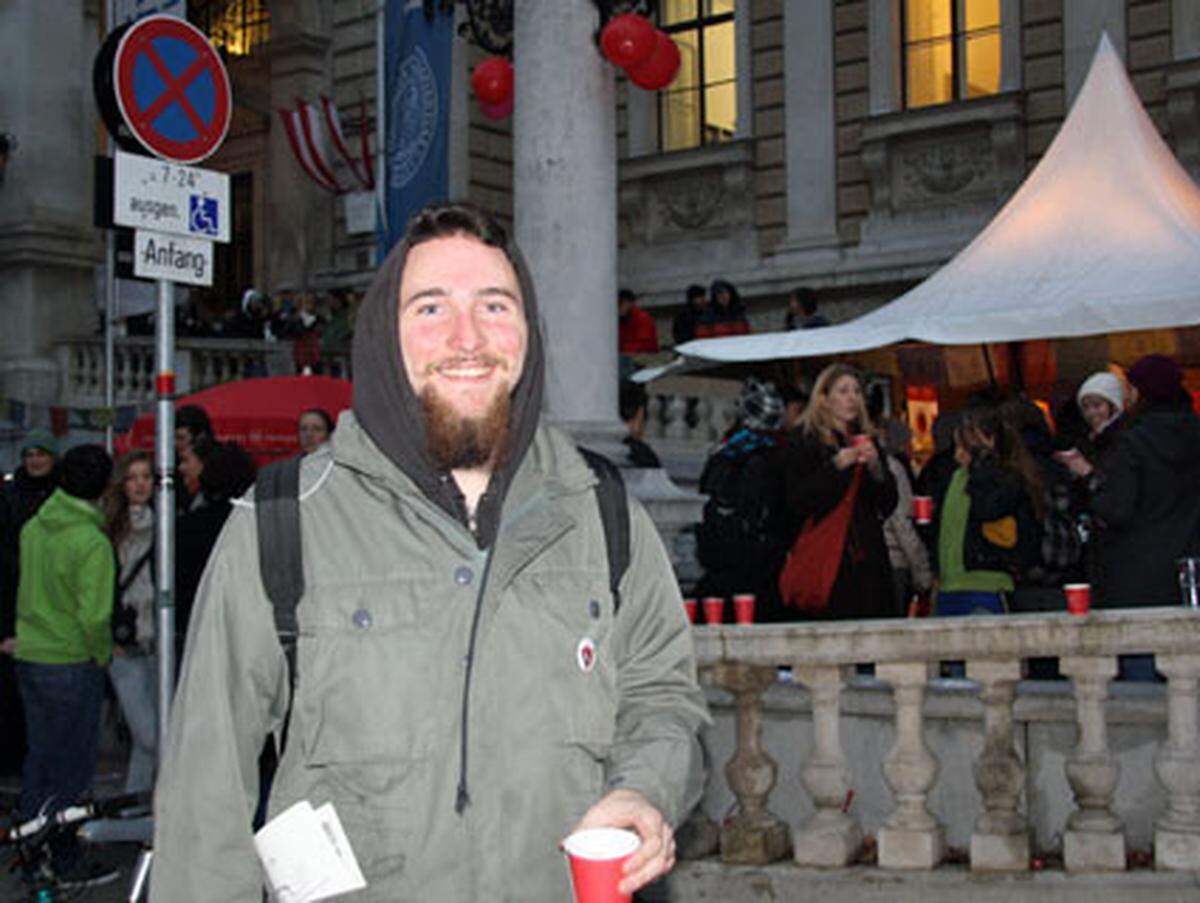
[
  {"x": 834, "y": 468},
  {"x": 134, "y": 668}
]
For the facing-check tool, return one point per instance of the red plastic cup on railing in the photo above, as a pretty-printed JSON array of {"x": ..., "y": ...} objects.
[
  {"x": 743, "y": 608},
  {"x": 714, "y": 609},
  {"x": 689, "y": 606},
  {"x": 1079, "y": 598}
]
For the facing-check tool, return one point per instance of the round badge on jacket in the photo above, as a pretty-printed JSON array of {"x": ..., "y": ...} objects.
[{"x": 585, "y": 655}]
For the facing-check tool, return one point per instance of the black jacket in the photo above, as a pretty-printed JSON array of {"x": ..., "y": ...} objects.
[
  {"x": 814, "y": 486},
  {"x": 1146, "y": 505},
  {"x": 20, "y": 499}
]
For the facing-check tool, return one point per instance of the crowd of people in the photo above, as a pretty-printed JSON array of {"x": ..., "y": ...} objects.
[
  {"x": 813, "y": 513},
  {"x": 78, "y": 610},
  {"x": 320, "y": 325}
]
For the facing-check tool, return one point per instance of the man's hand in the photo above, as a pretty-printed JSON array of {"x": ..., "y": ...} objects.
[
  {"x": 629, "y": 809},
  {"x": 8, "y": 645}
]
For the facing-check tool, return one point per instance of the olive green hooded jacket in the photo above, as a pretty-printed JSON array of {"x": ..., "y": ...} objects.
[{"x": 446, "y": 700}]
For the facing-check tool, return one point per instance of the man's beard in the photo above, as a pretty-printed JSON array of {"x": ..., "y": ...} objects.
[{"x": 461, "y": 443}]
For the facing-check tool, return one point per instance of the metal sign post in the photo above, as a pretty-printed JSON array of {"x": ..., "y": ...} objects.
[{"x": 164, "y": 497}]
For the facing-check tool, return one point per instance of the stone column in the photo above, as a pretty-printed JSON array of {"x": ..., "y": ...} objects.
[
  {"x": 1000, "y": 841},
  {"x": 300, "y": 237},
  {"x": 754, "y": 836},
  {"x": 911, "y": 838},
  {"x": 48, "y": 246},
  {"x": 1177, "y": 833},
  {"x": 1093, "y": 841},
  {"x": 831, "y": 838},
  {"x": 565, "y": 205},
  {"x": 811, "y": 132}
]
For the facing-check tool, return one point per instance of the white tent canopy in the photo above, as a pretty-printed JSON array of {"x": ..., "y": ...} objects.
[{"x": 1103, "y": 236}]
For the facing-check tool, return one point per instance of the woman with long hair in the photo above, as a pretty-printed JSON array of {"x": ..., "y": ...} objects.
[
  {"x": 988, "y": 523},
  {"x": 134, "y": 670},
  {"x": 834, "y": 465}
]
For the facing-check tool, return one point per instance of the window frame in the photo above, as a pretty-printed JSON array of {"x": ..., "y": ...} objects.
[
  {"x": 959, "y": 36},
  {"x": 698, "y": 24}
]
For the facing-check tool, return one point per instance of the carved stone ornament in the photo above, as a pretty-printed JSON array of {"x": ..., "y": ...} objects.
[{"x": 935, "y": 171}]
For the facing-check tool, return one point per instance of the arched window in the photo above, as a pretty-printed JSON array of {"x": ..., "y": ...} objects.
[
  {"x": 701, "y": 106},
  {"x": 951, "y": 50}
]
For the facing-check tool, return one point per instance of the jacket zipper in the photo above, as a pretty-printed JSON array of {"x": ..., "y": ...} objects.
[{"x": 463, "y": 797}]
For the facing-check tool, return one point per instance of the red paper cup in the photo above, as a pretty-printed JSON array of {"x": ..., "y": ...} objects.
[
  {"x": 597, "y": 856},
  {"x": 922, "y": 509},
  {"x": 743, "y": 608},
  {"x": 714, "y": 609},
  {"x": 1079, "y": 598},
  {"x": 689, "y": 605},
  {"x": 859, "y": 440}
]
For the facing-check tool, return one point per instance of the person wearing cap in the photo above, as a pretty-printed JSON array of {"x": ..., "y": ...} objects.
[
  {"x": 20, "y": 498},
  {"x": 1102, "y": 402},
  {"x": 741, "y": 540},
  {"x": 467, "y": 692},
  {"x": 1145, "y": 492}
]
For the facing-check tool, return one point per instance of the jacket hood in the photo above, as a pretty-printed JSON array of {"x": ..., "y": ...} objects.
[
  {"x": 63, "y": 511},
  {"x": 390, "y": 412}
]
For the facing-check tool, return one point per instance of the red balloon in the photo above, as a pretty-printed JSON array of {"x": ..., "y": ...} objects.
[
  {"x": 628, "y": 39},
  {"x": 492, "y": 80},
  {"x": 500, "y": 110},
  {"x": 660, "y": 68}
]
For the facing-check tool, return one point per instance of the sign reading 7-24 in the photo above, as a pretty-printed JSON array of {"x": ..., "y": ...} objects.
[{"x": 172, "y": 89}]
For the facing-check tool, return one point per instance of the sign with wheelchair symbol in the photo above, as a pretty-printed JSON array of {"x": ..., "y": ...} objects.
[{"x": 168, "y": 197}]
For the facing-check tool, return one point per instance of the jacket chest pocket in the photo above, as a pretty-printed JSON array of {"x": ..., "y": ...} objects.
[
  {"x": 368, "y": 685},
  {"x": 563, "y": 631}
]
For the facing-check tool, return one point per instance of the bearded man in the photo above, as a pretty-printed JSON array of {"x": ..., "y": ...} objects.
[{"x": 465, "y": 693}]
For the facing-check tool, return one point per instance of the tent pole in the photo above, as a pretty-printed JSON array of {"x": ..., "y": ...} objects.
[{"x": 987, "y": 360}]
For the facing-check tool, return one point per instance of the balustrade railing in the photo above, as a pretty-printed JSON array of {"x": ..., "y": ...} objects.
[{"x": 744, "y": 661}]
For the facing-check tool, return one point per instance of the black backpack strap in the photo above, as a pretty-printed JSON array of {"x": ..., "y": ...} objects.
[
  {"x": 614, "y": 513},
  {"x": 280, "y": 557}
]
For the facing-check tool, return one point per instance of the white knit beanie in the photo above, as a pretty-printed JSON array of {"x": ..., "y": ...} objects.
[{"x": 1106, "y": 386}]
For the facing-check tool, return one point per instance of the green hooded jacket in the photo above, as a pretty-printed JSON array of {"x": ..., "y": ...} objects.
[{"x": 64, "y": 601}]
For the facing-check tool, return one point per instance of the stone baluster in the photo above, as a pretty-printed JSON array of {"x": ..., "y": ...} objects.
[
  {"x": 1177, "y": 833},
  {"x": 831, "y": 838},
  {"x": 656, "y": 415},
  {"x": 1093, "y": 840},
  {"x": 1000, "y": 841},
  {"x": 754, "y": 836},
  {"x": 911, "y": 838},
  {"x": 676, "y": 418}
]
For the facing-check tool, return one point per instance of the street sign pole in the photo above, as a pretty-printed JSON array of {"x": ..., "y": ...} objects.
[{"x": 164, "y": 521}]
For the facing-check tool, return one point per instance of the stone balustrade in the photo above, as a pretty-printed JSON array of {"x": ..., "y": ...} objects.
[
  {"x": 199, "y": 363},
  {"x": 745, "y": 662},
  {"x": 685, "y": 418}
]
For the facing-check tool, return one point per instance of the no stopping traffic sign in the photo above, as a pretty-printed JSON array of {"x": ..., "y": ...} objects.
[{"x": 169, "y": 86}]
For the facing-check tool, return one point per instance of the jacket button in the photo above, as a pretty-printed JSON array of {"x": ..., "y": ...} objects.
[
  {"x": 594, "y": 609},
  {"x": 362, "y": 619},
  {"x": 463, "y": 575}
]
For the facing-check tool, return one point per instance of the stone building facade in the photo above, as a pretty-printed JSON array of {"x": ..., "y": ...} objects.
[{"x": 830, "y": 169}]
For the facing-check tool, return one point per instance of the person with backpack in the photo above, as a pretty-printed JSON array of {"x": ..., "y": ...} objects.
[
  {"x": 742, "y": 535},
  {"x": 838, "y": 491},
  {"x": 468, "y": 687}
]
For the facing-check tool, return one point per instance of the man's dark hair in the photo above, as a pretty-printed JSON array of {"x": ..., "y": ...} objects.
[
  {"x": 695, "y": 291},
  {"x": 457, "y": 218},
  {"x": 325, "y": 416},
  {"x": 228, "y": 472},
  {"x": 626, "y": 295},
  {"x": 195, "y": 420},
  {"x": 632, "y": 397},
  {"x": 807, "y": 298},
  {"x": 85, "y": 472}
]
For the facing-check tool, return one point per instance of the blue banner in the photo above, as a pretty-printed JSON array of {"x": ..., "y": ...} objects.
[{"x": 417, "y": 77}]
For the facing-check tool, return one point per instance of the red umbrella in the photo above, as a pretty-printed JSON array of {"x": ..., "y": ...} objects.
[{"x": 258, "y": 414}]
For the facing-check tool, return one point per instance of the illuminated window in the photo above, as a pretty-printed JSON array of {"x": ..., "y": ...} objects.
[
  {"x": 951, "y": 50},
  {"x": 236, "y": 27},
  {"x": 701, "y": 106}
]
